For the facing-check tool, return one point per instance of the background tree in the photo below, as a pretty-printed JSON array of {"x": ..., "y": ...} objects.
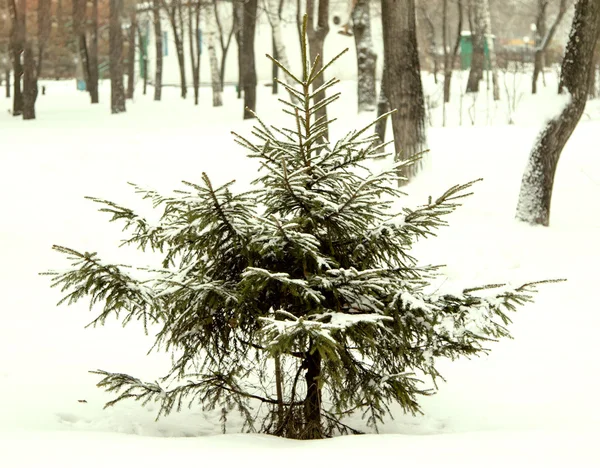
[
  {"x": 248, "y": 65},
  {"x": 117, "y": 90},
  {"x": 273, "y": 9},
  {"x": 404, "y": 89},
  {"x": 158, "y": 51},
  {"x": 131, "y": 38},
  {"x": 429, "y": 27},
  {"x": 450, "y": 55},
  {"x": 93, "y": 61},
  {"x": 17, "y": 10},
  {"x": 195, "y": 46},
  {"x": 489, "y": 40},
  {"x": 224, "y": 34},
  {"x": 238, "y": 21},
  {"x": 366, "y": 57},
  {"x": 210, "y": 35},
  {"x": 477, "y": 26},
  {"x": 535, "y": 195},
  {"x": 174, "y": 9},
  {"x": 544, "y": 36}
]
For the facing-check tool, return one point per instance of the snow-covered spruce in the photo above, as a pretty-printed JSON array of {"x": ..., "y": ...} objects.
[{"x": 300, "y": 295}]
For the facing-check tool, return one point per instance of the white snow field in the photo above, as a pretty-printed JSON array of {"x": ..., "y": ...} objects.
[{"x": 531, "y": 402}]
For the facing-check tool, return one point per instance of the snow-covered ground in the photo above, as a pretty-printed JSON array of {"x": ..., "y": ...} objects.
[{"x": 531, "y": 402}]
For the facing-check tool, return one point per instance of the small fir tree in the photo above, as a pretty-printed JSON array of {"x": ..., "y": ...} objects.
[{"x": 300, "y": 295}]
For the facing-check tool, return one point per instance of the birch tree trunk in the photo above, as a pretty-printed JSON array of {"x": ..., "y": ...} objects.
[
  {"x": 158, "y": 42},
  {"x": 117, "y": 90},
  {"x": 404, "y": 89},
  {"x": 366, "y": 57},
  {"x": 538, "y": 179},
  {"x": 210, "y": 34}
]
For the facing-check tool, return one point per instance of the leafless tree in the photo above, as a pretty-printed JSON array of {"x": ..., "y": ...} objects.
[
  {"x": 194, "y": 42},
  {"x": 210, "y": 34},
  {"x": 250, "y": 12},
  {"x": 316, "y": 34},
  {"x": 80, "y": 29},
  {"x": 225, "y": 35},
  {"x": 545, "y": 36},
  {"x": 117, "y": 90},
  {"x": 538, "y": 179},
  {"x": 273, "y": 9},
  {"x": 431, "y": 36},
  {"x": 404, "y": 89},
  {"x": 238, "y": 21},
  {"x": 93, "y": 74},
  {"x": 158, "y": 43},
  {"x": 16, "y": 10},
  {"x": 131, "y": 35},
  {"x": 174, "y": 9},
  {"x": 450, "y": 56},
  {"x": 365, "y": 55}
]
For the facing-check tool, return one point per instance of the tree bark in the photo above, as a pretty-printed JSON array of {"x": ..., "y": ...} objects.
[
  {"x": 131, "y": 53},
  {"x": 316, "y": 40},
  {"x": 478, "y": 41},
  {"x": 248, "y": 60},
  {"x": 92, "y": 82},
  {"x": 30, "y": 89},
  {"x": 117, "y": 90},
  {"x": 404, "y": 89},
  {"x": 538, "y": 179},
  {"x": 366, "y": 57},
  {"x": 545, "y": 37},
  {"x": 312, "y": 403},
  {"x": 450, "y": 57},
  {"x": 158, "y": 42}
]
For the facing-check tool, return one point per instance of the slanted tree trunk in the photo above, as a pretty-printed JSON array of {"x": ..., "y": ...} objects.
[
  {"x": 450, "y": 56},
  {"x": 248, "y": 60},
  {"x": 224, "y": 42},
  {"x": 215, "y": 74},
  {"x": 545, "y": 36},
  {"x": 238, "y": 18},
  {"x": 538, "y": 179},
  {"x": 158, "y": 42},
  {"x": 316, "y": 40},
  {"x": 478, "y": 39},
  {"x": 131, "y": 53},
  {"x": 366, "y": 57},
  {"x": 117, "y": 90},
  {"x": 93, "y": 78},
  {"x": 17, "y": 45},
  {"x": 312, "y": 402},
  {"x": 273, "y": 10},
  {"x": 194, "y": 41},
  {"x": 404, "y": 89}
]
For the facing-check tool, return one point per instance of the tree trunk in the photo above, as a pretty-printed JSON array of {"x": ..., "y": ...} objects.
[
  {"x": 79, "y": 30},
  {"x": 176, "y": 19},
  {"x": 158, "y": 41},
  {"x": 248, "y": 61},
  {"x": 544, "y": 37},
  {"x": 312, "y": 402},
  {"x": 7, "y": 81},
  {"x": 17, "y": 45},
  {"x": 450, "y": 57},
  {"x": 131, "y": 53},
  {"x": 383, "y": 106},
  {"x": 194, "y": 41},
  {"x": 366, "y": 57},
  {"x": 478, "y": 39},
  {"x": 431, "y": 39},
  {"x": 316, "y": 40},
  {"x": 279, "y": 48},
  {"x": 92, "y": 82},
  {"x": 117, "y": 90},
  {"x": 538, "y": 179},
  {"x": 485, "y": 6},
  {"x": 142, "y": 40},
  {"x": 215, "y": 74},
  {"x": 225, "y": 43},
  {"x": 30, "y": 88},
  {"x": 401, "y": 59},
  {"x": 238, "y": 18}
]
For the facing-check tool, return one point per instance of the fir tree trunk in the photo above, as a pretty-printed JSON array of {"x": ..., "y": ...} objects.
[
  {"x": 312, "y": 403},
  {"x": 478, "y": 39},
  {"x": 158, "y": 42},
  {"x": 365, "y": 56},
  {"x": 131, "y": 53},
  {"x": 402, "y": 68},
  {"x": 117, "y": 90},
  {"x": 538, "y": 179},
  {"x": 93, "y": 78},
  {"x": 316, "y": 40},
  {"x": 215, "y": 74},
  {"x": 248, "y": 60},
  {"x": 544, "y": 37}
]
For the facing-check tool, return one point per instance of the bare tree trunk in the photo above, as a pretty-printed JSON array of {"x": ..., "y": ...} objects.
[
  {"x": 450, "y": 57},
  {"x": 538, "y": 179},
  {"x": 131, "y": 53},
  {"x": 117, "y": 90},
  {"x": 485, "y": 5},
  {"x": 79, "y": 30},
  {"x": 175, "y": 14},
  {"x": 545, "y": 37},
  {"x": 7, "y": 81},
  {"x": 279, "y": 48},
  {"x": 30, "y": 89},
  {"x": 478, "y": 40},
  {"x": 238, "y": 18},
  {"x": 225, "y": 43},
  {"x": 316, "y": 40},
  {"x": 248, "y": 60},
  {"x": 92, "y": 82},
  {"x": 17, "y": 45},
  {"x": 401, "y": 58},
  {"x": 215, "y": 74},
  {"x": 365, "y": 56},
  {"x": 158, "y": 42},
  {"x": 431, "y": 38},
  {"x": 144, "y": 57},
  {"x": 194, "y": 41},
  {"x": 383, "y": 107}
]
